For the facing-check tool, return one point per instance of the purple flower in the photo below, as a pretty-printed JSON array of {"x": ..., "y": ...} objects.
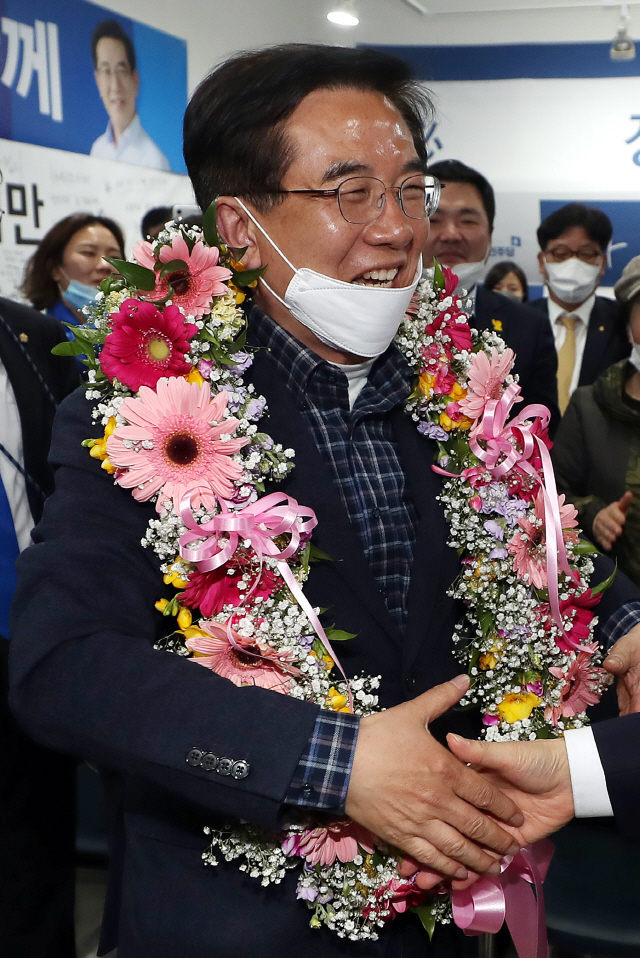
[
  {"x": 204, "y": 368},
  {"x": 306, "y": 894},
  {"x": 243, "y": 361},
  {"x": 498, "y": 554},
  {"x": 255, "y": 408},
  {"x": 236, "y": 400},
  {"x": 432, "y": 430},
  {"x": 495, "y": 529},
  {"x": 536, "y": 688},
  {"x": 512, "y": 510},
  {"x": 490, "y": 719},
  {"x": 323, "y": 899}
]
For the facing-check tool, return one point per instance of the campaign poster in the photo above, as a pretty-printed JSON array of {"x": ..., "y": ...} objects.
[{"x": 75, "y": 76}]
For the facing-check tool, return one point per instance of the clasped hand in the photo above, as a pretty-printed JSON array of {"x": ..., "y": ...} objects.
[{"x": 413, "y": 793}]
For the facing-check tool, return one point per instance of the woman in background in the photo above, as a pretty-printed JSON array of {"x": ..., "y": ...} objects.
[
  {"x": 507, "y": 278},
  {"x": 69, "y": 264},
  {"x": 597, "y": 447}
]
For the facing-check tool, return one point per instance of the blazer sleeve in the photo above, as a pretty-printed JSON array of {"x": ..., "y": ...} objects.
[
  {"x": 85, "y": 677},
  {"x": 543, "y": 377},
  {"x": 570, "y": 456},
  {"x": 618, "y": 743}
]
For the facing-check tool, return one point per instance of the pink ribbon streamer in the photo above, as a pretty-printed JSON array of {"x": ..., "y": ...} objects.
[
  {"x": 514, "y": 896},
  {"x": 259, "y": 523},
  {"x": 510, "y": 445}
]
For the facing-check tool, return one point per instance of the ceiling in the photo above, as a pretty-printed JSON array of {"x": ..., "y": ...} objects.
[{"x": 489, "y": 6}]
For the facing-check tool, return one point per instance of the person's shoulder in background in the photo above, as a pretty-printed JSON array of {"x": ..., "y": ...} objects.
[{"x": 37, "y": 334}]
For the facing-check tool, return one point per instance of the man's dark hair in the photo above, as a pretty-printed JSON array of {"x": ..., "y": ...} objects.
[
  {"x": 595, "y": 223},
  {"x": 235, "y": 140},
  {"x": 39, "y": 286},
  {"x": 453, "y": 171},
  {"x": 498, "y": 272},
  {"x": 115, "y": 31},
  {"x": 159, "y": 214}
]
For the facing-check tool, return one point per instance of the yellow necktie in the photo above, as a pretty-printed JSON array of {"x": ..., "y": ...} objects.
[{"x": 566, "y": 359}]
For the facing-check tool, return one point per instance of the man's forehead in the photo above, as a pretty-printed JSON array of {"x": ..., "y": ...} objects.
[
  {"x": 109, "y": 49},
  {"x": 460, "y": 197}
]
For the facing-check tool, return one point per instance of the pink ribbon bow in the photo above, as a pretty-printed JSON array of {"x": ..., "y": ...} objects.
[
  {"x": 514, "y": 896},
  {"x": 273, "y": 515},
  {"x": 509, "y": 445}
]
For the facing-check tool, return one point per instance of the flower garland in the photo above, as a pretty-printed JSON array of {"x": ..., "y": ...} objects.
[{"x": 166, "y": 351}]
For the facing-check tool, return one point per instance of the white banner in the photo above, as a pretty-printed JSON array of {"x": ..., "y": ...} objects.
[{"x": 41, "y": 186}]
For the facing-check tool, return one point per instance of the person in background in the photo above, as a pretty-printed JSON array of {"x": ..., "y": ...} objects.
[
  {"x": 507, "y": 278},
  {"x": 69, "y": 264},
  {"x": 597, "y": 447},
  {"x": 114, "y": 64},
  {"x": 153, "y": 221},
  {"x": 37, "y": 786},
  {"x": 460, "y": 238},
  {"x": 588, "y": 331}
]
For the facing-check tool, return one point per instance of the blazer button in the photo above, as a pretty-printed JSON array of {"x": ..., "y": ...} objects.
[
  {"x": 240, "y": 769},
  {"x": 224, "y": 766},
  {"x": 209, "y": 761},
  {"x": 194, "y": 757}
]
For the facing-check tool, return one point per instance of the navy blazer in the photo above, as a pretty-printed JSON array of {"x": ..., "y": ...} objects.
[
  {"x": 87, "y": 679},
  {"x": 531, "y": 339},
  {"x": 607, "y": 341}
]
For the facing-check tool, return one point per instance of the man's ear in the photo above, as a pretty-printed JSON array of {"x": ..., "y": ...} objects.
[
  {"x": 237, "y": 230},
  {"x": 541, "y": 264}
]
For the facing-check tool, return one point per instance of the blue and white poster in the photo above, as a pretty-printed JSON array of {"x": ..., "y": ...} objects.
[{"x": 76, "y": 76}]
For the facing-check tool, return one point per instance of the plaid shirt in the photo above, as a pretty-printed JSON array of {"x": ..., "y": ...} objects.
[{"x": 359, "y": 448}]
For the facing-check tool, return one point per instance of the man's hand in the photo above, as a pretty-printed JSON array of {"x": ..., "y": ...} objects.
[
  {"x": 409, "y": 790},
  {"x": 609, "y": 522},
  {"x": 624, "y": 661},
  {"x": 534, "y": 774}
]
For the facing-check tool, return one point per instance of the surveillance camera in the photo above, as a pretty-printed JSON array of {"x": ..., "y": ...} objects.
[{"x": 623, "y": 47}]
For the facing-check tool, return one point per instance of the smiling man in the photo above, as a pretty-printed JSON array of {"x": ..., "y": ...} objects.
[
  {"x": 317, "y": 157},
  {"x": 117, "y": 79}
]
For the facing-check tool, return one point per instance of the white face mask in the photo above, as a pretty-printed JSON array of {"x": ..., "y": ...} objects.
[
  {"x": 470, "y": 274},
  {"x": 510, "y": 294},
  {"x": 634, "y": 358},
  {"x": 572, "y": 281},
  {"x": 361, "y": 320}
]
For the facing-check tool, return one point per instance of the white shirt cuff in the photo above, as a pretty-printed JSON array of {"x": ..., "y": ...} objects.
[{"x": 588, "y": 784}]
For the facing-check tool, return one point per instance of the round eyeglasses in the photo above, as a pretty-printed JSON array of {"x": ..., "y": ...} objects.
[
  {"x": 361, "y": 199},
  {"x": 560, "y": 254}
]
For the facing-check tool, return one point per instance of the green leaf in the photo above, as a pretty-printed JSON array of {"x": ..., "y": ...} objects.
[
  {"x": 317, "y": 555},
  {"x": 174, "y": 266},
  {"x": 244, "y": 277},
  {"x": 338, "y": 635},
  {"x": 133, "y": 274},
  {"x": 606, "y": 584},
  {"x": 239, "y": 252},
  {"x": 210, "y": 226},
  {"x": 70, "y": 348},
  {"x": 427, "y": 916},
  {"x": 583, "y": 548},
  {"x": 438, "y": 276}
]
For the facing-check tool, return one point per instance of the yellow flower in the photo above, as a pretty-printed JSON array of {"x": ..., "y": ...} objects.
[
  {"x": 489, "y": 660},
  {"x": 336, "y": 701},
  {"x": 465, "y": 423},
  {"x": 446, "y": 422},
  {"x": 162, "y": 604},
  {"x": 174, "y": 576},
  {"x": 328, "y": 661},
  {"x": 184, "y": 618},
  {"x": 193, "y": 632},
  {"x": 458, "y": 392},
  {"x": 193, "y": 376},
  {"x": 517, "y": 706},
  {"x": 425, "y": 384},
  {"x": 98, "y": 447},
  {"x": 238, "y": 295}
]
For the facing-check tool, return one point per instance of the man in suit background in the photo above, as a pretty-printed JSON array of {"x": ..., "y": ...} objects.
[
  {"x": 589, "y": 332},
  {"x": 86, "y": 676},
  {"x": 37, "y": 790},
  {"x": 460, "y": 238}
]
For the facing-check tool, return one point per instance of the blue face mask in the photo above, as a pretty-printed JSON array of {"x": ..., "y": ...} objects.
[{"x": 79, "y": 294}]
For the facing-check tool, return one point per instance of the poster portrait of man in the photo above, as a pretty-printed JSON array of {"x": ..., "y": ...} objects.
[{"x": 114, "y": 64}]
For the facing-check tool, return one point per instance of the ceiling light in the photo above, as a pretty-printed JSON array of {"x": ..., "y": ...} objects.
[
  {"x": 344, "y": 14},
  {"x": 623, "y": 47}
]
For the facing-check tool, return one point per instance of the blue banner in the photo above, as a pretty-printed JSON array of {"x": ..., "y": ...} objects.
[{"x": 126, "y": 106}]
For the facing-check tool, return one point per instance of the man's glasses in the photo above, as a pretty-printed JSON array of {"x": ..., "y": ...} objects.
[
  {"x": 560, "y": 254},
  {"x": 121, "y": 72},
  {"x": 361, "y": 199}
]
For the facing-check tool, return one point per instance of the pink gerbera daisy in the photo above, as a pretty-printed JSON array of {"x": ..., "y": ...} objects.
[
  {"x": 529, "y": 545},
  {"x": 176, "y": 443},
  {"x": 583, "y": 684},
  {"x": 145, "y": 344},
  {"x": 193, "y": 288},
  {"x": 321, "y": 846},
  {"x": 486, "y": 380},
  {"x": 242, "y": 667}
]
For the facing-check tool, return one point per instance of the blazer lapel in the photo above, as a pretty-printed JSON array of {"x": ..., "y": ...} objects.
[{"x": 312, "y": 484}]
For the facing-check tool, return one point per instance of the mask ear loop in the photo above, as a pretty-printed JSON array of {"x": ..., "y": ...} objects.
[{"x": 276, "y": 248}]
